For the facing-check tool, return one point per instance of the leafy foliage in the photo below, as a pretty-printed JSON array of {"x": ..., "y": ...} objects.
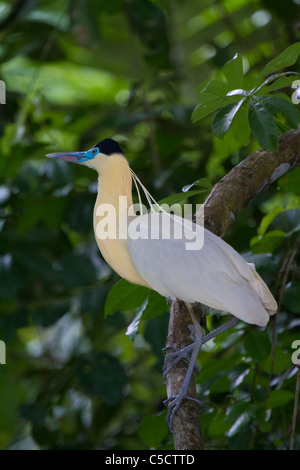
[
  {"x": 262, "y": 108},
  {"x": 82, "y": 71}
]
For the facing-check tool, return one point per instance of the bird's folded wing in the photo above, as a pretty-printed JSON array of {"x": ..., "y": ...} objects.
[{"x": 215, "y": 275}]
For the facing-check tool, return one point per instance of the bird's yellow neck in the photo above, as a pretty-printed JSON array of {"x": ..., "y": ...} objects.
[{"x": 114, "y": 191}]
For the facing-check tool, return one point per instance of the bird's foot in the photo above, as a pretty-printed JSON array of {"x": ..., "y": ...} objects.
[
  {"x": 174, "y": 402},
  {"x": 173, "y": 358}
]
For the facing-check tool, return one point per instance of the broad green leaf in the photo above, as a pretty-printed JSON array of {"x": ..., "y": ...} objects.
[
  {"x": 284, "y": 59},
  {"x": 217, "y": 88},
  {"x": 238, "y": 91},
  {"x": 233, "y": 71},
  {"x": 180, "y": 197},
  {"x": 212, "y": 97},
  {"x": 99, "y": 373},
  {"x": 63, "y": 83},
  {"x": 124, "y": 296},
  {"x": 291, "y": 298},
  {"x": 288, "y": 221},
  {"x": 263, "y": 126},
  {"x": 202, "y": 182},
  {"x": 268, "y": 242},
  {"x": 257, "y": 345},
  {"x": 267, "y": 220},
  {"x": 76, "y": 270},
  {"x": 280, "y": 81},
  {"x": 279, "y": 398},
  {"x": 220, "y": 384},
  {"x": 239, "y": 424},
  {"x": 240, "y": 414},
  {"x": 48, "y": 315},
  {"x": 280, "y": 106},
  {"x": 215, "y": 367},
  {"x": 236, "y": 409},
  {"x": 223, "y": 119},
  {"x": 9, "y": 282},
  {"x": 156, "y": 305},
  {"x": 132, "y": 328},
  {"x": 33, "y": 413},
  {"x": 153, "y": 430},
  {"x": 240, "y": 126},
  {"x": 280, "y": 361},
  {"x": 290, "y": 181},
  {"x": 218, "y": 426},
  {"x": 208, "y": 104}
]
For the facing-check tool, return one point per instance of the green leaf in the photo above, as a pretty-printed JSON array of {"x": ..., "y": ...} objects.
[
  {"x": 124, "y": 296},
  {"x": 218, "y": 426},
  {"x": 280, "y": 106},
  {"x": 286, "y": 58},
  {"x": 180, "y": 197},
  {"x": 48, "y": 315},
  {"x": 279, "y": 361},
  {"x": 33, "y": 413},
  {"x": 240, "y": 414},
  {"x": 238, "y": 91},
  {"x": 257, "y": 345},
  {"x": 240, "y": 126},
  {"x": 8, "y": 280},
  {"x": 265, "y": 222},
  {"x": 220, "y": 385},
  {"x": 202, "y": 182},
  {"x": 223, "y": 119},
  {"x": 212, "y": 97},
  {"x": 214, "y": 367},
  {"x": 153, "y": 430},
  {"x": 233, "y": 71},
  {"x": 288, "y": 221},
  {"x": 290, "y": 181},
  {"x": 263, "y": 126},
  {"x": 208, "y": 104},
  {"x": 278, "y": 398},
  {"x": 76, "y": 270},
  {"x": 268, "y": 242},
  {"x": 156, "y": 305},
  {"x": 291, "y": 298},
  {"x": 132, "y": 328},
  {"x": 217, "y": 88},
  {"x": 239, "y": 424},
  {"x": 99, "y": 373},
  {"x": 280, "y": 80}
]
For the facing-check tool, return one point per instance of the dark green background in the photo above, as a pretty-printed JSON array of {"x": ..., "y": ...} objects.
[{"x": 80, "y": 71}]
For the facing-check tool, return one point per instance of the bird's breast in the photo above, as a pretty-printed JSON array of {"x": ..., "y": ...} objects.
[{"x": 115, "y": 249}]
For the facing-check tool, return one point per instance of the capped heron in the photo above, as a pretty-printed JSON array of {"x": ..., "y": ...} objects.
[{"x": 214, "y": 275}]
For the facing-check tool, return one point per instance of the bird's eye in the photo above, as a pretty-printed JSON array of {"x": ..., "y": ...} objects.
[{"x": 94, "y": 151}]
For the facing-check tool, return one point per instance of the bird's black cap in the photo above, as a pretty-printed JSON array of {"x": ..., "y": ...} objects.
[{"x": 109, "y": 146}]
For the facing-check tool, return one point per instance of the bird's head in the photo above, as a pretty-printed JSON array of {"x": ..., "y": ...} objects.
[{"x": 94, "y": 157}]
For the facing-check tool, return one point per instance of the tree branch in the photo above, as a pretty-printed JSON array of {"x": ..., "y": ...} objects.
[{"x": 225, "y": 202}]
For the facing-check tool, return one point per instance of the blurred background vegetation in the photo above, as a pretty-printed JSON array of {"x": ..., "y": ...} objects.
[{"x": 80, "y": 71}]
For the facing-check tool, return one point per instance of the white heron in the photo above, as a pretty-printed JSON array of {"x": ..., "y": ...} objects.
[{"x": 214, "y": 275}]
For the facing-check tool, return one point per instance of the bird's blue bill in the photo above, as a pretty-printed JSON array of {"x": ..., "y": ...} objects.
[{"x": 76, "y": 157}]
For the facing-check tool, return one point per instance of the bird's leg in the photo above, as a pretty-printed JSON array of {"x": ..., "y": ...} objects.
[
  {"x": 184, "y": 353},
  {"x": 173, "y": 358},
  {"x": 213, "y": 334},
  {"x": 174, "y": 402}
]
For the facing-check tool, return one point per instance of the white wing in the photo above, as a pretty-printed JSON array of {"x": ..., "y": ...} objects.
[{"x": 215, "y": 275}]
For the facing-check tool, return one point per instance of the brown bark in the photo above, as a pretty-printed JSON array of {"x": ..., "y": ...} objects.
[{"x": 225, "y": 202}]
